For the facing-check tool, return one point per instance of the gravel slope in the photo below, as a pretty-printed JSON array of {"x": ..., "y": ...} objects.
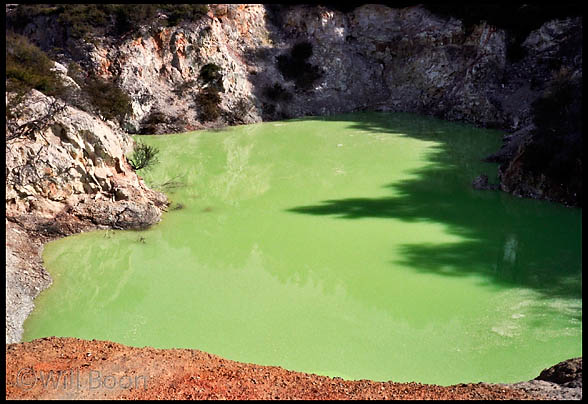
[{"x": 84, "y": 369}]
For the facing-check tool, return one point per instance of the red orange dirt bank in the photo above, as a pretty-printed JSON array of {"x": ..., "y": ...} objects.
[{"x": 70, "y": 368}]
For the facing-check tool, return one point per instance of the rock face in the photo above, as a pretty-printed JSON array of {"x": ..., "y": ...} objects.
[
  {"x": 370, "y": 58},
  {"x": 70, "y": 176},
  {"x": 374, "y": 57},
  {"x": 74, "y": 171},
  {"x": 559, "y": 382}
]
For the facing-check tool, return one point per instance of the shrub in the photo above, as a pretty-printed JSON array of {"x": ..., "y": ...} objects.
[
  {"x": 181, "y": 89},
  {"x": 240, "y": 111},
  {"x": 82, "y": 20},
  {"x": 149, "y": 124},
  {"x": 129, "y": 16},
  {"x": 143, "y": 156},
  {"x": 183, "y": 12},
  {"x": 211, "y": 75},
  {"x": 111, "y": 101},
  {"x": 208, "y": 101},
  {"x": 29, "y": 67}
]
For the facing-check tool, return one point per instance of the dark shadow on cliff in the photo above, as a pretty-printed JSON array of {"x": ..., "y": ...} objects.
[{"x": 509, "y": 242}]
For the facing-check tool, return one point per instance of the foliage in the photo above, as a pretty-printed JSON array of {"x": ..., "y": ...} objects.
[
  {"x": 208, "y": 101},
  {"x": 181, "y": 89},
  {"x": 211, "y": 75},
  {"x": 294, "y": 66},
  {"x": 240, "y": 111},
  {"x": 111, "y": 101},
  {"x": 143, "y": 156},
  {"x": 82, "y": 20},
  {"x": 29, "y": 67},
  {"x": 149, "y": 124},
  {"x": 183, "y": 12},
  {"x": 130, "y": 16}
]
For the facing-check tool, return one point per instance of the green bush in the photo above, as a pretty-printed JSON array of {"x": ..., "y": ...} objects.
[
  {"x": 208, "y": 101},
  {"x": 239, "y": 112},
  {"x": 181, "y": 89},
  {"x": 143, "y": 156},
  {"x": 83, "y": 20},
  {"x": 129, "y": 16},
  {"x": 211, "y": 75},
  {"x": 29, "y": 67},
  {"x": 149, "y": 124},
  {"x": 111, "y": 101},
  {"x": 177, "y": 13}
]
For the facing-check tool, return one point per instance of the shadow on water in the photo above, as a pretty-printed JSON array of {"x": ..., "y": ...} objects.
[{"x": 507, "y": 240}]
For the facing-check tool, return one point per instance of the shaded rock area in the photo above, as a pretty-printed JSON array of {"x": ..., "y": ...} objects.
[
  {"x": 68, "y": 176},
  {"x": 107, "y": 370},
  {"x": 559, "y": 382},
  {"x": 481, "y": 183}
]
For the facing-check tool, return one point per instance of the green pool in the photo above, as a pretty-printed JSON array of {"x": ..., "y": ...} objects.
[{"x": 350, "y": 246}]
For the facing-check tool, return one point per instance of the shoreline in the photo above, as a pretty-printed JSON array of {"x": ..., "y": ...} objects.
[{"x": 103, "y": 369}]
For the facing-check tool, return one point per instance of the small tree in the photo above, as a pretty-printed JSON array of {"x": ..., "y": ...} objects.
[{"x": 143, "y": 156}]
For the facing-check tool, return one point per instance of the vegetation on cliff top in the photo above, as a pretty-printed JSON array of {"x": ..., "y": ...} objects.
[
  {"x": 29, "y": 67},
  {"x": 80, "y": 20}
]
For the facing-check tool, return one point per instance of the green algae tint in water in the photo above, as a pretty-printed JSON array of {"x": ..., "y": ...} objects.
[{"x": 349, "y": 246}]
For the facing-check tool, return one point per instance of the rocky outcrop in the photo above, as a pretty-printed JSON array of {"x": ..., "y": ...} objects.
[
  {"x": 67, "y": 176},
  {"x": 481, "y": 183},
  {"x": 543, "y": 158},
  {"x": 74, "y": 170},
  {"x": 559, "y": 382},
  {"x": 160, "y": 68},
  {"x": 373, "y": 57}
]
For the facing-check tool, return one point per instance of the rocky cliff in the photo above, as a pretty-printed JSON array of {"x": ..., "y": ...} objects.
[{"x": 282, "y": 62}]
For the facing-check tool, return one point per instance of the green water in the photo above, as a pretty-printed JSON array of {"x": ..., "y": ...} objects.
[{"x": 349, "y": 246}]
